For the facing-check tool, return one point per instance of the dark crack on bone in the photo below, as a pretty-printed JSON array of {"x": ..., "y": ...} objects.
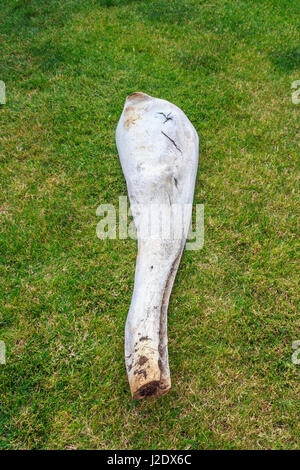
[
  {"x": 167, "y": 117},
  {"x": 171, "y": 140}
]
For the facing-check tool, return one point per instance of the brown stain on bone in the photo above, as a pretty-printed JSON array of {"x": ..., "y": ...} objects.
[
  {"x": 142, "y": 360},
  {"x": 141, "y": 371},
  {"x": 149, "y": 390},
  {"x": 130, "y": 117},
  {"x": 134, "y": 102},
  {"x": 138, "y": 96}
]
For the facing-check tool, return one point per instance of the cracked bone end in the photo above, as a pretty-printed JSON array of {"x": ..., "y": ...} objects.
[
  {"x": 147, "y": 382},
  {"x": 148, "y": 378}
]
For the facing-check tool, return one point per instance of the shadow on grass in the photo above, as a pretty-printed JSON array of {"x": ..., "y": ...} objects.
[
  {"x": 286, "y": 60},
  {"x": 115, "y": 3},
  {"x": 177, "y": 11},
  {"x": 27, "y": 17},
  {"x": 204, "y": 63}
]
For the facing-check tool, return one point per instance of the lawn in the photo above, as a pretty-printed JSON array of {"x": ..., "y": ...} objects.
[{"x": 68, "y": 66}]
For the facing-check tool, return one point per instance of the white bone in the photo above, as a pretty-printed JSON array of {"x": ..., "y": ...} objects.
[{"x": 158, "y": 150}]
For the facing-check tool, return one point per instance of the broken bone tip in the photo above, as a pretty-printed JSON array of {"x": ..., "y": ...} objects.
[{"x": 151, "y": 389}]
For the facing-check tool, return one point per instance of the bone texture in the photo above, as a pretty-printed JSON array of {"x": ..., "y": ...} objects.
[{"x": 158, "y": 150}]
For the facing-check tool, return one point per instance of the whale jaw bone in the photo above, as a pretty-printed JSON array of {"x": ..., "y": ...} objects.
[{"x": 158, "y": 150}]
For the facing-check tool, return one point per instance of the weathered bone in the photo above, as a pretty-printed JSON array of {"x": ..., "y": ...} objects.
[{"x": 158, "y": 149}]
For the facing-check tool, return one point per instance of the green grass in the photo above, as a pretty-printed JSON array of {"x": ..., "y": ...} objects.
[{"x": 68, "y": 67}]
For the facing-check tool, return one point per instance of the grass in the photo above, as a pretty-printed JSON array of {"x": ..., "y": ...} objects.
[{"x": 68, "y": 67}]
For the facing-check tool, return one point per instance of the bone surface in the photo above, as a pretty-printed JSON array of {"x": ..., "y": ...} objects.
[{"x": 158, "y": 150}]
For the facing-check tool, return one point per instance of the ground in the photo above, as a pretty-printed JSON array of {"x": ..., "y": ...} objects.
[{"x": 68, "y": 67}]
